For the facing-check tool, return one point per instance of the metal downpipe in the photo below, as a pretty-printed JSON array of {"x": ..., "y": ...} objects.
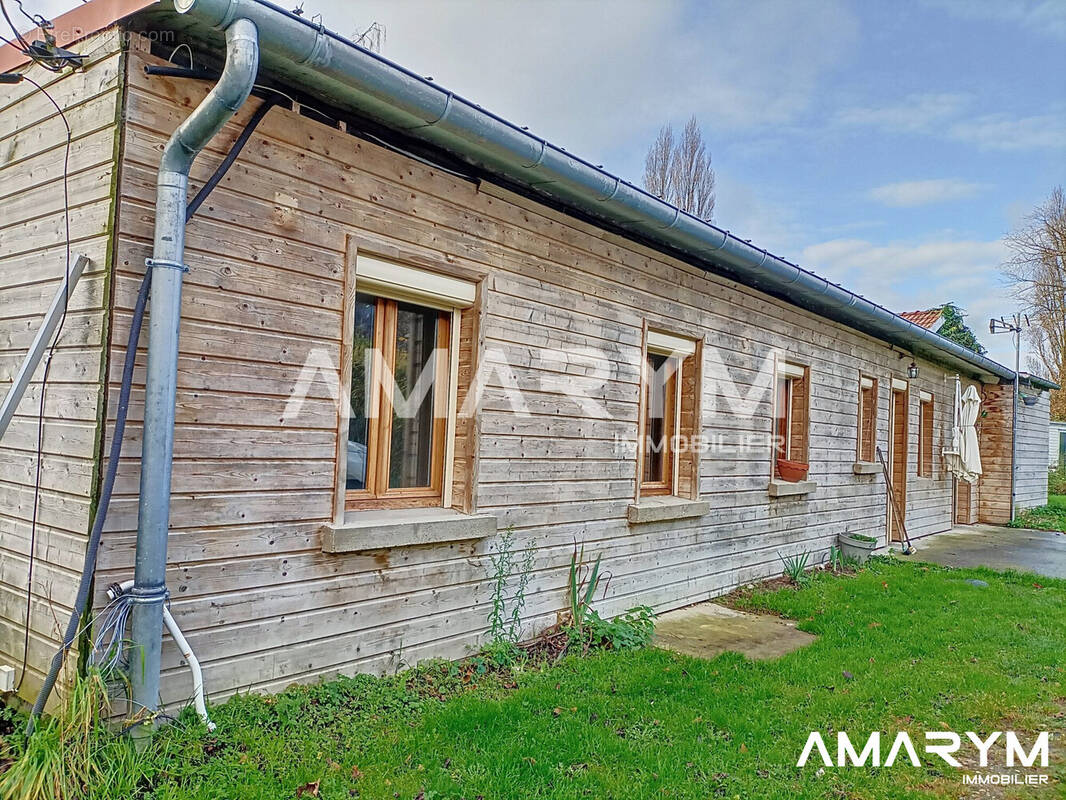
[{"x": 149, "y": 592}]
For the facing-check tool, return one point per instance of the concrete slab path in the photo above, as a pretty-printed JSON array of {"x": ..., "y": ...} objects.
[
  {"x": 706, "y": 630},
  {"x": 1042, "y": 552}
]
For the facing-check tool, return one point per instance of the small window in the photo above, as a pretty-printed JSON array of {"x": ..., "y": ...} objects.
[
  {"x": 397, "y": 426},
  {"x": 791, "y": 414},
  {"x": 670, "y": 393},
  {"x": 925, "y": 435},
  {"x": 867, "y": 418},
  {"x": 401, "y": 425}
]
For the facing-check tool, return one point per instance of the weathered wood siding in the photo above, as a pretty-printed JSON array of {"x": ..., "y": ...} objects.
[
  {"x": 32, "y": 265},
  {"x": 994, "y": 432},
  {"x": 1033, "y": 423},
  {"x": 994, "y": 437},
  {"x": 260, "y": 603}
]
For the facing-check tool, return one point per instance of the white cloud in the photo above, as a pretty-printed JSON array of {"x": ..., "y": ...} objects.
[
  {"x": 595, "y": 77},
  {"x": 1006, "y": 132},
  {"x": 905, "y": 276},
  {"x": 1046, "y": 17},
  {"x": 907, "y": 194},
  {"x": 916, "y": 113},
  {"x": 943, "y": 114}
]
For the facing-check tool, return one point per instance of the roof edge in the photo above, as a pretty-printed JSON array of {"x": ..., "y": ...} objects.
[
  {"x": 74, "y": 25},
  {"x": 341, "y": 73}
]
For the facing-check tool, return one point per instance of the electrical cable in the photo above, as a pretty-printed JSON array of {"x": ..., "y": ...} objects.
[
  {"x": 45, "y": 54},
  {"x": 37, "y": 20},
  {"x": 22, "y": 45},
  {"x": 108, "y": 483},
  {"x": 231, "y": 156},
  {"x": 44, "y": 384},
  {"x": 106, "y": 488},
  {"x": 108, "y": 650}
]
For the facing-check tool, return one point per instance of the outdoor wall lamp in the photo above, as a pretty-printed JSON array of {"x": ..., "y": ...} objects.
[{"x": 912, "y": 370}]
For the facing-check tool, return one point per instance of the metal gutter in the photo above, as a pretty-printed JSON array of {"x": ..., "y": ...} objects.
[
  {"x": 337, "y": 71},
  {"x": 149, "y": 592}
]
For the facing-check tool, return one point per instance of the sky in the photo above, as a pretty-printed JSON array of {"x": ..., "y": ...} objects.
[{"x": 888, "y": 145}]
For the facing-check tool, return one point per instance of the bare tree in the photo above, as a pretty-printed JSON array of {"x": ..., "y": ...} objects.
[
  {"x": 657, "y": 178},
  {"x": 679, "y": 170},
  {"x": 1037, "y": 271}
]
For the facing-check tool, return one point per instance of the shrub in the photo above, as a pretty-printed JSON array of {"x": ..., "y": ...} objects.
[
  {"x": 1056, "y": 481},
  {"x": 630, "y": 631}
]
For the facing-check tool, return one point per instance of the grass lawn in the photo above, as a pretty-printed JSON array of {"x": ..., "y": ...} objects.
[
  {"x": 924, "y": 651},
  {"x": 1051, "y": 517}
]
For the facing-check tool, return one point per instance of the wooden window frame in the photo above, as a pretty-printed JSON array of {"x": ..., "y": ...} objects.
[
  {"x": 899, "y": 409},
  {"x": 453, "y": 297},
  {"x": 926, "y": 434},
  {"x": 676, "y": 349},
  {"x": 791, "y": 371},
  {"x": 377, "y": 494},
  {"x": 670, "y": 417},
  {"x": 860, "y": 455}
]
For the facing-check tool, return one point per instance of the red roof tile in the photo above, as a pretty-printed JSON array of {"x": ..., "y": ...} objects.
[{"x": 927, "y": 319}]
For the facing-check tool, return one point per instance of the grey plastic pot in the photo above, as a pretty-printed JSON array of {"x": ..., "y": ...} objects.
[{"x": 856, "y": 548}]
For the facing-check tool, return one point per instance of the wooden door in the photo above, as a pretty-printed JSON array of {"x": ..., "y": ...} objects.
[
  {"x": 963, "y": 503},
  {"x": 898, "y": 458}
]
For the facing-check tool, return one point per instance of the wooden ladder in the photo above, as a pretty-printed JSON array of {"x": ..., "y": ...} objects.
[{"x": 897, "y": 515}]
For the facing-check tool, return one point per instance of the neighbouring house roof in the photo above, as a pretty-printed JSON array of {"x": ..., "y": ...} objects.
[
  {"x": 928, "y": 319},
  {"x": 336, "y": 71},
  {"x": 83, "y": 20}
]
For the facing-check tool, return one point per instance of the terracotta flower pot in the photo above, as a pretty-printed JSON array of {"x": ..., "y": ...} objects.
[{"x": 791, "y": 471}]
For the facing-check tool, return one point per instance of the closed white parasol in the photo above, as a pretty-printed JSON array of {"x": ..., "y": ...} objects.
[
  {"x": 963, "y": 458},
  {"x": 969, "y": 450}
]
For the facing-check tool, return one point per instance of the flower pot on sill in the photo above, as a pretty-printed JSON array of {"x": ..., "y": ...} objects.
[
  {"x": 858, "y": 549},
  {"x": 791, "y": 471}
]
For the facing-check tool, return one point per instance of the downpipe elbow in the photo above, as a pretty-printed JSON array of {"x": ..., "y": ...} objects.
[{"x": 222, "y": 102}]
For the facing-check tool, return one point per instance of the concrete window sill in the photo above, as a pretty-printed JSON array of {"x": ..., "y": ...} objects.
[
  {"x": 663, "y": 509},
  {"x": 788, "y": 489},
  {"x": 866, "y": 468},
  {"x": 407, "y": 527}
]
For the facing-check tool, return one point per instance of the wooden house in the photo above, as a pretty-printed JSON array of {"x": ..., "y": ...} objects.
[{"x": 596, "y": 368}]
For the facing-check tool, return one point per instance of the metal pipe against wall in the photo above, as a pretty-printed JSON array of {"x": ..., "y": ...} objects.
[
  {"x": 1014, "y": 417},
  {"x": 167, "y": 263},
  {"x": 199, "y": 701}
]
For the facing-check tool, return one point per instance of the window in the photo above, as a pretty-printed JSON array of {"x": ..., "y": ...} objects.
[
  {"x": 867, "y": 419},
  {"x": 669, "y": 400},
  {"x": 925, "y": 435},
  {"x": 401, "y": 425},
  {"x": 791, "y": 414},
  {"x": 396, "y": 429}
]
